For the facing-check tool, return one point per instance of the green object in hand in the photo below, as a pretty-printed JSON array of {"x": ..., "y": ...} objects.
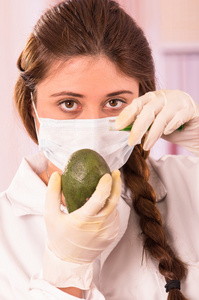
[
  {"x": 81, "y": 176},
  {"x": 128, "y": 128}
]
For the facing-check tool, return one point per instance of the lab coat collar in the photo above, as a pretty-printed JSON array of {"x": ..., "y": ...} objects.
[{"x": 23, "y": 197}]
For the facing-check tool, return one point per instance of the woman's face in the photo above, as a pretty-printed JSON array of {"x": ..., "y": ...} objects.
[{"x": 84, "y": 88}]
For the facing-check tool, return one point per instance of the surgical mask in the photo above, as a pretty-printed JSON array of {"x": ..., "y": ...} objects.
[{"x": 58, "y": 139}]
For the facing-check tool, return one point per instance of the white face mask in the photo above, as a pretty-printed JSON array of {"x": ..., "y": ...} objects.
[{"x": 58, "y": 139}]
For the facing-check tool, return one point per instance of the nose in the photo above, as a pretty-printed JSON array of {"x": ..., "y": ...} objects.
[{"x": 92, "y": 113}]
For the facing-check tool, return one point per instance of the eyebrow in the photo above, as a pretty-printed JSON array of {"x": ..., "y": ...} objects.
[
  {"x": 65, "y": 93},
  {"x": 119, "y": 93}
]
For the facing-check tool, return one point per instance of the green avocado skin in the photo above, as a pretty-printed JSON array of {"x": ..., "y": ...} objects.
[{"x": 81, "y": 176}]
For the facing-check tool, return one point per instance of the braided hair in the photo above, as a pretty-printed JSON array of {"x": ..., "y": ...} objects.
[{"x": 136, "y": 176}]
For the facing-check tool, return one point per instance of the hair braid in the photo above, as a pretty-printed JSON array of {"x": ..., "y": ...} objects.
[{"x": 136, "y": 174}]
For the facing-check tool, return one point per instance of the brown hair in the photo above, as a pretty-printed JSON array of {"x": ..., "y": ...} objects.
[
  {"x": 136, "y": 175},
  {"x": 95, "y": 27}
]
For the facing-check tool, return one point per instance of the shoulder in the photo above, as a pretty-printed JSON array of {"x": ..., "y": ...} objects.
[
  {"x": 5, "y": 206},
  {"x": 2, "y": 196},
  {"x": 26, "y": 185},
  {"x": 180, "y": 207},
  {"x": 178, "y": 174},
  {"x": 175, "y": 164}
]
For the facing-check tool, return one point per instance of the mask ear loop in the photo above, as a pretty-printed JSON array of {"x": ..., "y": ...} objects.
[
  {"x": 34, "y": 107},
  {"x": 37, "y": 133},
  {"x": 37, "y": 116}
]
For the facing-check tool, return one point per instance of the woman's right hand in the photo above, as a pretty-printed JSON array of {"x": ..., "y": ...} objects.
[{"x": 79, "y": 237}]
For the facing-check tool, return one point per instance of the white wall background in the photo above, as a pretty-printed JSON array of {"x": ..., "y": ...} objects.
[
  {"x": 16, "y": 20},
  {"x": 171, "y": 26}
]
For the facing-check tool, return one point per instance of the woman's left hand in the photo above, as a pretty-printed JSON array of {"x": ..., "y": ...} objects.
[{"x": 163, "y": 111}]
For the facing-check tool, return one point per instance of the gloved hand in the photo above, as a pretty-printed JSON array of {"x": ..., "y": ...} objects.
[
  {"x": 79, "y": 237},
  {"x": 165, "y": 111}
]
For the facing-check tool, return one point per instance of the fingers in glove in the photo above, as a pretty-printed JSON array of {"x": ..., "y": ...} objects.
[
  {"x": 129, "y": 113},
  {"x": 114, "y": 197},
  {"x": 168, "y": 120},
  {"x": 157, "y": 128},
  {"x": 181, "y": 117},
  {"x": 146, "y": 117},
  {"x": 99, "y": 197},
  {"x": 140, "y": 126},
  {"x": 53, "y": 195}
]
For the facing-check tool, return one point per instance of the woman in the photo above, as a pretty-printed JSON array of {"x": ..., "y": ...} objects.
[{"x": 87, "y": 62}]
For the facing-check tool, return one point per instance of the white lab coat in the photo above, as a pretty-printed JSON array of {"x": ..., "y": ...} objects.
[{"x": 121, "y": 273}]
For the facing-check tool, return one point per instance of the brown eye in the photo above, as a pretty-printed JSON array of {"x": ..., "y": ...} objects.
[
  {"x": 69, "y": 105},
  {"x": 114, "y": 103}
]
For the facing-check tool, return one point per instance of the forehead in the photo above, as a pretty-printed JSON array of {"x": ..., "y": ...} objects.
[
  {"x": 85, "y": 73},
  {"x": 82, "y": 65}
]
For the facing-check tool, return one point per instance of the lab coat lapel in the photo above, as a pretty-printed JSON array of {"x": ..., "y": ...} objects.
[{"x": 23, "y": 197}]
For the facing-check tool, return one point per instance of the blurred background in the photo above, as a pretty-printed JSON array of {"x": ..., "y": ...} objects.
[{"x": 172, "y": 28}]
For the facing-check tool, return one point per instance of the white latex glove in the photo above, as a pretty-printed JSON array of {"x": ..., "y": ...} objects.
[
  {"x": 165, "y": 111},
  {"x": 79, "y": 237}
]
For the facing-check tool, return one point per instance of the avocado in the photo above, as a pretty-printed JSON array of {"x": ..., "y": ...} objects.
[{"x": 81, "y": 176}]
